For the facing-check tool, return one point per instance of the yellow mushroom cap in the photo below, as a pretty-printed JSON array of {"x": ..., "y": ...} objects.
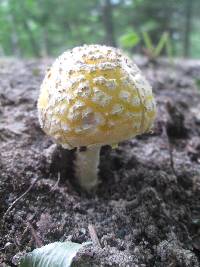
[{"x": 94, "y": 94}]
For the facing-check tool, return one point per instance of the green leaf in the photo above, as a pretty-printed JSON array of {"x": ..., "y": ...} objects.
[
  {"x": 149, "y": 25},
  {"x": 162, "y": 42},
  {"x": 58, "y": 254},
  {"x": 148, "y": 42},
  {"x": 129, "y": 39}
]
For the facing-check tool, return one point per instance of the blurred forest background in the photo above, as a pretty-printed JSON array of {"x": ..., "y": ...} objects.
[{"x": 40, "y": 28}]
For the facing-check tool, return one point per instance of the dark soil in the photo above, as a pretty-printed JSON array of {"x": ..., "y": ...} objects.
[{"x": 146, "y": 211}]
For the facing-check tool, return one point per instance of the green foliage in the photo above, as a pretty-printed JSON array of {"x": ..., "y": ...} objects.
[
  {"x": 161, "y": 44},
  {"x": 41, "y": 28},
  {"x": 148, "y": 42},
  {"x": 150, "y": 25},
  {"x": 129, "y": 39},
  {"x": 55, "y": 255},
  {"x": 155, "y": 51}
]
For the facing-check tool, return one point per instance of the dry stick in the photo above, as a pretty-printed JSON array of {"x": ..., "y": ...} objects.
[
  {"x": 170, "y": 149},
  {"x": 56, "y": 184},
  {"x": 93, "y": 235},
  {"x": 29, "y": 221},
  {"x": 172, "y": 159},
  {"x": 18, "y": 199},
  {"x": 38, "y": 241}
]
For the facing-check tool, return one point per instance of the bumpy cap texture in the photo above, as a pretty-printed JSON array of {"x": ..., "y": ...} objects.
[{"x": 94, "y": 94}]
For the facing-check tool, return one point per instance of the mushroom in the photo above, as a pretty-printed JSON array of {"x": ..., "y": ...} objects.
[{"x": 94, "y": 95}]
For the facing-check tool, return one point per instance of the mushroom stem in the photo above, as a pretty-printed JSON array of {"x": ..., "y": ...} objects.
[{"x": 86, "y": 167}]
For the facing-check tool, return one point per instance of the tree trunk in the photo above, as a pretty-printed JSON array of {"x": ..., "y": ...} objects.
[
  {"x": 33, "y": 43},
  {"x": 14, "y": 38},
  {"x": 107, "y": 17},
  {"x": 188, "y": 27},
  {"x": 45, "y": 42}
]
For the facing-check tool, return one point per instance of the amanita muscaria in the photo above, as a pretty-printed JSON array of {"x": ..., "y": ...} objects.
[{"x": 94, "y": 95}]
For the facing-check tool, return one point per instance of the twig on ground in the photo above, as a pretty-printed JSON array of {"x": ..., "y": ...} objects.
[
  {"x": 56, "y": 184},
  {"x": 18, "y": 199},
  {"x": 93, "y": 235},
  {"x": 170, "y": 150},
  {"x": 34, "y": 234},
  {"x": 29, "y": 221},
  {"x": 171, "y": 158}
]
